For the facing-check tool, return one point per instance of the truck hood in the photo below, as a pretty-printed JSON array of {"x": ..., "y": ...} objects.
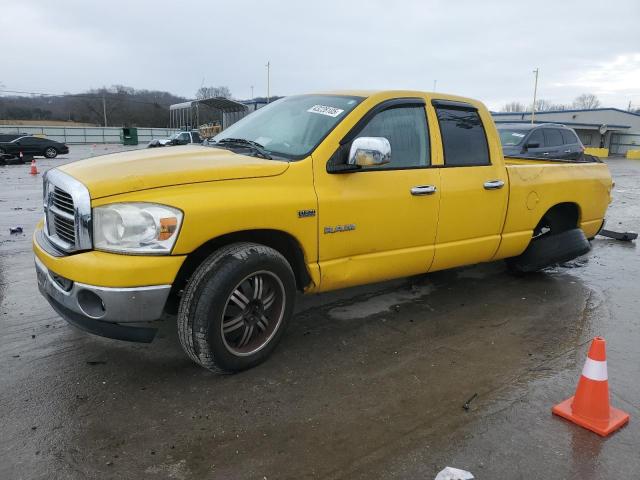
[{"x": 144, "y": 169}]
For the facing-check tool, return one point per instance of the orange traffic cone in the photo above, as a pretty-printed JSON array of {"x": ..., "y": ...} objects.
[
  {"x": 34, "y": 169},
  {"x": 590, "y": 407}
]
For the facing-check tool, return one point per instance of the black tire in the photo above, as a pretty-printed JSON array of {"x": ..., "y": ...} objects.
[
  {"x": 50, "y": 152},
  {"x": 214, "y": 290},
  {"x": 549, "y": 250}
]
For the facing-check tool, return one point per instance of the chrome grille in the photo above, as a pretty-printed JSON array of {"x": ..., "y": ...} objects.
[
  {"x": 65, "y": 229},
  {"x": 62, "y": 200},
  {"x": 67, "y": 209},
  {"x": 63, "y": 216}
]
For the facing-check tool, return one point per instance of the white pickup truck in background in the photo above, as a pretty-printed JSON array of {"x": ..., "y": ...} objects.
[{"x": 180, "y": 138}]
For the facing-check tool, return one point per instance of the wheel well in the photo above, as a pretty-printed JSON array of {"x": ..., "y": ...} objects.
[
  {"x": 280, "y": 241},
  {"x": 560, "y": 218}
]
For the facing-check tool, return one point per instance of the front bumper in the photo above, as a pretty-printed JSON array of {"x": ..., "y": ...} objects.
[{"x": 104, "y": 310}]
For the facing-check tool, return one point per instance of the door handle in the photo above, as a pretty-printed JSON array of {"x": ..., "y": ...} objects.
[
  {"x": 567, "y": 151},
  {"x": 420, "y": 190},
  {"x": 493, "y": 184},
  {"x": 545, "y": 153}
]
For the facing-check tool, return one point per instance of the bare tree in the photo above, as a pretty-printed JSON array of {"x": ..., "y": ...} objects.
[
  {"x": 208, "y": 92},
  {"x": 586, "y": 101},
  {"x": 513, "y": 107},
  {"x": 543, "y": 105}
]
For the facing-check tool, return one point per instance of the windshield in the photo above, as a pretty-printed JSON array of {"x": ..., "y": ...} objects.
[
  {"x": 510, "y": 137},
  {"x": 292, "y": 126}
]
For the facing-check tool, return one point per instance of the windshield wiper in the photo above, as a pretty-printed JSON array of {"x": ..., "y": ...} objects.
[{"x": 255, "y": 146}]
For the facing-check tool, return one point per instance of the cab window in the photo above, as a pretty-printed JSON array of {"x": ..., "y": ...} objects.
[
  {"x": 406, "y": 130},
  {"x": 463, "y": 137}
]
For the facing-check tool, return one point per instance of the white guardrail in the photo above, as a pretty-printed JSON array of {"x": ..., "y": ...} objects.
[{"x": 86, "y": 135}]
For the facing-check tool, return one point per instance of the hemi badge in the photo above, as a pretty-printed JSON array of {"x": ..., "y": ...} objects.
[{"x": 306, "y": 213}]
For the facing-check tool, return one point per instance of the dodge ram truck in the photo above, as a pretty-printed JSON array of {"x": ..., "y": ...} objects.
[{"x": 310, "y": 193}]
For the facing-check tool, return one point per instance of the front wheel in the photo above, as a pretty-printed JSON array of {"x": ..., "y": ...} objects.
[
  {"x": 236, "y": 306},
  {"x": 50, "y": 152}
]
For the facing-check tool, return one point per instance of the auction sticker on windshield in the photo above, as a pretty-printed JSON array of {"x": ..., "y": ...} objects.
[{"x": 325, "y": 110}]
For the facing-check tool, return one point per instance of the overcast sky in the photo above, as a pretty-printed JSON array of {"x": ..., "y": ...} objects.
[{"x": 482, "y": 49}]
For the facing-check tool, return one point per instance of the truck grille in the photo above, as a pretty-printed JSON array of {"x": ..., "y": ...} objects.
[
  {"x": 62, "y": 200},
  {"x": 63, "y": 216},
  {"x": 67, "y": 211}
]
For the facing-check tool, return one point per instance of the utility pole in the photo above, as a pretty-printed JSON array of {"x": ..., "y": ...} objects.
[
  {"x": 435, "y": 82},
  {"x": 104, "y": 109},
  {"x": 535, "y": 93},
  {"x": 268, "y": 80},
  {"x": 252, "y": 97}
]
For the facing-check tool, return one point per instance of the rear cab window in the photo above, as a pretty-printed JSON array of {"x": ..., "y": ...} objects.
[{"x": 463, "y": 136}]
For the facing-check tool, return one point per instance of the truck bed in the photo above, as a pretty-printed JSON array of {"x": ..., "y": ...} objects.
[{"x": 537, "y": 185}]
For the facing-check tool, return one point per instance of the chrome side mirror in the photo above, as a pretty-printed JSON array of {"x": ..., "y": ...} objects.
[{"x": 369, "y": 152}]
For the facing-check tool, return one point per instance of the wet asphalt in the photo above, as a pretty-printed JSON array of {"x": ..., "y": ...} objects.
[{"x": 367, "y": 383}]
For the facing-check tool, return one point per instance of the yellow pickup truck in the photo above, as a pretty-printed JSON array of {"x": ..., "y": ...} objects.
[{"x": 310, "y": 193}]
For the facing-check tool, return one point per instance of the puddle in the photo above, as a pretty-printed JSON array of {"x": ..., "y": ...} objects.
[{"x": 379, "y": 304}]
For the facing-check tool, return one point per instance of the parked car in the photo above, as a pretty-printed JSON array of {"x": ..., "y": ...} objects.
[
  {"x": 36, "y": 146},
  {"x": 310, "y": 193},
  {"x": 180, "y": 138},
  {"x": 547, "y": 140},
  {"x": 7, "y": 137}
]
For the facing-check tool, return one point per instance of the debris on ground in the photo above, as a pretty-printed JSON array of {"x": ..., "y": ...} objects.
[
  {"x": 450, "y": 473},
  {"x": 15, "y": 230},
  {"x": 96, "y": 362},
  {"x": 622, "y": 236},
  {"x": 467, "y": 404}
]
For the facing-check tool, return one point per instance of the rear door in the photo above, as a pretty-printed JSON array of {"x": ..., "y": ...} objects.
[{"x": 474, "y": 189}]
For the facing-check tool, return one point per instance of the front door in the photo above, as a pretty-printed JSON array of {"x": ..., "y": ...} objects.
[
  {"x": 380, "y": 222},
  {"x": 474, "y": 189}
]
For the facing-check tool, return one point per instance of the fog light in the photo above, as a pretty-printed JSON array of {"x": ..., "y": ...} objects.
[
  {"x": 64, "y": 283},
  {"x": 91, "y": 304}
]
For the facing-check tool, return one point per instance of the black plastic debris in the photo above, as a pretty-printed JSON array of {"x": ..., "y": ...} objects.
[
  {"x": 15, "y": 230},
  {"x": 622, "y": 236},
  {"x": 467, "y": 404}
]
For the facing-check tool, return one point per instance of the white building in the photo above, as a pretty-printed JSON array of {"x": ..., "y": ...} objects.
[{"x": 612, "y": 128}]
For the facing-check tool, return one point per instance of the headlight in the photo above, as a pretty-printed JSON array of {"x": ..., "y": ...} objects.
[{"x": 144, "y": 228}]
